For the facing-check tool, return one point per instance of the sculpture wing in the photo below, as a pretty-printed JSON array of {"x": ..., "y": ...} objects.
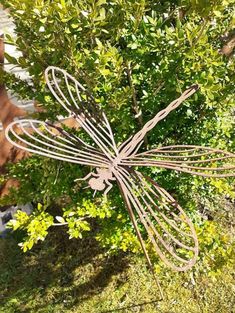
[
  {"x": 54, "y": 142},
  {"x": 169, "y": 231},
  {"x": 80, "y": 104},
  {"x": 197, "y": 160}
]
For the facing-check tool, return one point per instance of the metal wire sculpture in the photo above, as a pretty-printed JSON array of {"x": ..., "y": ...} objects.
[{"x": 170, "y": 232}]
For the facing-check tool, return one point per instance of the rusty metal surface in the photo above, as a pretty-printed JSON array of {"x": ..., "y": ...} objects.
[{"x": 170, "y": 233}]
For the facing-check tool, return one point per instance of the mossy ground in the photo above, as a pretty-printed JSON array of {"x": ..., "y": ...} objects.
[{"x": 62, "y": 275}]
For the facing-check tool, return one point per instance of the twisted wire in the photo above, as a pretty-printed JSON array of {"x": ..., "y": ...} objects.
[{"x": 128, "y": 149}]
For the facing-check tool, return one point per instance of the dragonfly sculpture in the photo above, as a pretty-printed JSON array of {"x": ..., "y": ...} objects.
[{"x": 168, "y": 230}]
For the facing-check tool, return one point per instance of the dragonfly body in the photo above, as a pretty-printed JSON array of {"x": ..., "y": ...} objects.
[{"x": 101, "y": 179}]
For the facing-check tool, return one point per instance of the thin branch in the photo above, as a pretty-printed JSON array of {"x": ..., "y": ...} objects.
[
  {"x": 66, "y": 223},
  {"x": 135, "y": 107},
  {"x": 60, "y": 224},
  {"x": 159, "y": 86},
  {"x": 204, "y": 24}
]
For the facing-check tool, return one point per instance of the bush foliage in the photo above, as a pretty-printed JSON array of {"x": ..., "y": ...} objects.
[{"x": 134, "y": 56}]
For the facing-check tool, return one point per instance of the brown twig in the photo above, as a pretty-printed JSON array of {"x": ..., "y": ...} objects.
[
  {"x": 204, "y": 24},
  {"x": 135, "y": 107},
  {"x": 159, "y": 86}
]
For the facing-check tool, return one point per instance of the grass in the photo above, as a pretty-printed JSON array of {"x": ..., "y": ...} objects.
[{"x": 62, "y": 275}]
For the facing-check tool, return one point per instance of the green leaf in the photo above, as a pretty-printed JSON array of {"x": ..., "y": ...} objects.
[
  {"x": 10, "y": 59},
  {"x": 133, "y": 46},
  {"x": 100, "y": 2},
  {"x": 60, "y": 219},
  {"x": 75, "y": 25},
  {"x": 105, "y": 72},
  {"x": 102, "y": 13}
]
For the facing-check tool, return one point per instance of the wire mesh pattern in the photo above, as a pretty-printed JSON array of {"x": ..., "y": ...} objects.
[{"x": 169, "y": 231}]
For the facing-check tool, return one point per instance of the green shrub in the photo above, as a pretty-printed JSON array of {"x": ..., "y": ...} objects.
[{"x": 99, "y": 42}]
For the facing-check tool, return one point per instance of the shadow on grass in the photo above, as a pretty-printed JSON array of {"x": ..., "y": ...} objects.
[{"x": 52, "y": 271}]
